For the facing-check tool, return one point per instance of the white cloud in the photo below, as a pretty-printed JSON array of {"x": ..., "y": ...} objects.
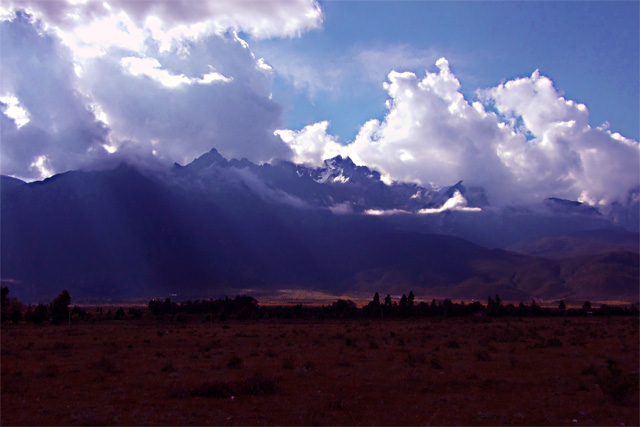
[
  {"x": 182, "y": 108},
  {"x": 384, "y": 212},
  {"x": 151, "y": 68},
  {"x": 457, "y": 202},
  {"x": 94, "y": 24},
  {"x": 538, "y": 145},
  {"x": 139, "y": 81},
  {"x": 566, "y": 156},
  {"x": 377, "y": 63},
  {"x": 62, "y": 131},
  {"x": 337, "y": 73},
  {"x": 11, "y": 108},
  {"x": 312, "y": 144}
]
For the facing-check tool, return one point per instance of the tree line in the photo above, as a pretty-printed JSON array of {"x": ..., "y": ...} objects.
[
  {"x": 57, "y": 311},
  {"x": 245, "y": 307}
]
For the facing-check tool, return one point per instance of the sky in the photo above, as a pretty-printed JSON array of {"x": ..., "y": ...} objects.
[{"x": 526, "y": 99}]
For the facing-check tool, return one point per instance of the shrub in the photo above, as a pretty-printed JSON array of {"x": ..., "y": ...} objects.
[
  {"x": 168, "y": 366},
  {"x": 215, "y": 389},
  {"x": 483, "y": 355},
  {"x": 287, "y": 363},
  {"x": 617, "y": 385},
  {"x": 257, "y": 384},
  {"x": 554, "y": 342},
  {"x": 436, "y": 363},
  {"x": 415, "y": 359},
  {"x": 61, "y": 346},
  {"x": 108, "y": 365},
  {"x": 234, "y": 362},
  {"x": 51, "y": 370}
]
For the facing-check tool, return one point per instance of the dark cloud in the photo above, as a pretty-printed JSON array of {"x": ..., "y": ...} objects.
[
  {"x": 179, "y": 123},
  {"x": 78, "y": 106},
  {"x": 37, "y": 70}
]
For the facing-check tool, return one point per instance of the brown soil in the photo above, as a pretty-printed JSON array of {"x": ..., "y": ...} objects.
[{"x": 466, "y": 371}]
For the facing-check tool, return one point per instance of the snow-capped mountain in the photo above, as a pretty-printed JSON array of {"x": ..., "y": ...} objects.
[
  {"x": 339, "y": 185},
  {"x": 217, "y": 224}
]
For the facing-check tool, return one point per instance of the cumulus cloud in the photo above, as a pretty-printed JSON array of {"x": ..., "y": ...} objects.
[
  {"x": 90, "y": 82},
  {"x": 521, "y": 141},
  {"x": 47, "y": 125},
  {"x": 564, "y": 155},
  {"x": 311, "y": 144},
  {"x": 177, "y": 111},
  {"x": 179, "y": 18}
]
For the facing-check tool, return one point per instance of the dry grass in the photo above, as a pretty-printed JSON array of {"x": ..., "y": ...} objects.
[{"x": 467, "y": 371}]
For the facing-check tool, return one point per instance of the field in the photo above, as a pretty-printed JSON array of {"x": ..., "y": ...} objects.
[{"x": 434, "y": 371}]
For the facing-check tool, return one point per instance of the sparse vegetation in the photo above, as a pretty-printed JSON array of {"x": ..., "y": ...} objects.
[{"x": 433, "y": 369}]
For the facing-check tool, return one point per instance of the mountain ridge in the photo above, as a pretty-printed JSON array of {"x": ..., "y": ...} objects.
[{"x": 216, "y": 225}]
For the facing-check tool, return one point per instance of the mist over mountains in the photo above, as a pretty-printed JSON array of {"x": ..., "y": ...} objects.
[{"x": 218, "y": 226}]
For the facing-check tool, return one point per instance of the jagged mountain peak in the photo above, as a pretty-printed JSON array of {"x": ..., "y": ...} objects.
[
  {"x": 212, "y": 158},
  {"x": 339, "y": 161},
  {"x": 563, "y": 206}
]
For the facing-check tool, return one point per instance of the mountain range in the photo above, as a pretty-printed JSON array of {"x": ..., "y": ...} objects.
[{"x": 218, "y": 226}]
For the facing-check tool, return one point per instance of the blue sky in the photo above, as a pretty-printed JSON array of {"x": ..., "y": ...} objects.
[
  {"x": 589, "y": 49},
  {"x": 525, "y": 99}
]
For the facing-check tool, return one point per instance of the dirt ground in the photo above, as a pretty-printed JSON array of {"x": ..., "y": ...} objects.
[{"x": 435, "y": 371}]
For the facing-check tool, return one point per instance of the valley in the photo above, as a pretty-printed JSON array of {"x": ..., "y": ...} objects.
[{"x": 434, "y": 371}]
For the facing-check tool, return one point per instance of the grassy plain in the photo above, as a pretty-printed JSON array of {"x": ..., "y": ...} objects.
[{"x": 434, "y": 371}]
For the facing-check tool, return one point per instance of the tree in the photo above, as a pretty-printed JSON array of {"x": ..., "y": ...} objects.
[
  {"x": 562, "y": 306},
  {"x": 586, "y": 306},
  {"x": 10, "y": 308},
  {"x": 387, "y": 301},
  {"x": 344, "y": 308},
  {"x": 411, "y": 298},
  {"x": 60, "y": 307},
  {"x": 403, "y": 300},
  {"x": 4, "y": 303},
  {"x": 373, "y": 309},
  {"x": 40, "y": 314},
  {"x": 376, "y": 300}
]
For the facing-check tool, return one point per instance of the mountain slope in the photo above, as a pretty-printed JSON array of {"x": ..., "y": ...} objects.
[{"x": 215, "y": 227}]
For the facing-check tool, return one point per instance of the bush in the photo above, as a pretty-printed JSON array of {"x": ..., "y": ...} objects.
[
  {"x": 257, "y": 384},
  {"x": 60, "y": 307},
  {"x": 483, "y": 355},
  {"x": 107, "y": 365},
  {"x": 234, "y": 362},
  {"x": 214, "y": 389},
  {"x": 436, "y": 363},
  {"x": 168, "y": 366},
  {"x": 616, "y": 384}
]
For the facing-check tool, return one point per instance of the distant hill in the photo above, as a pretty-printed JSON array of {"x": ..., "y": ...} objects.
[
  {"x": 588, "y": 242},
  {"x": 215, "y": 227}
]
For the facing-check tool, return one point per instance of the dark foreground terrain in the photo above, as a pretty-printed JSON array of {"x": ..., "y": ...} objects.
[{"x": 434, "y": 371}]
